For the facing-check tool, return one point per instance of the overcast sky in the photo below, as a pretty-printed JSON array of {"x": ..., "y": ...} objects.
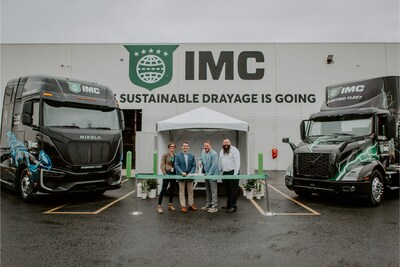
[{"x": 188, "y": 21}]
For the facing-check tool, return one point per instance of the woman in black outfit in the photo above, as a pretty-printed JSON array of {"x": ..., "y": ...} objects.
[{"x": 167, "y": 167}]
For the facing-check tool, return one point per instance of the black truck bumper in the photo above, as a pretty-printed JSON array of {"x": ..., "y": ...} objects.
[
  {"x": 55, "y": 181},
  {"x": 360, "y": 189}
]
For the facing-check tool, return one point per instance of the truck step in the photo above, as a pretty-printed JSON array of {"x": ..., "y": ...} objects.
[
  {"x": 394, "y": 168},
  {"x": 392, "y": 188}
]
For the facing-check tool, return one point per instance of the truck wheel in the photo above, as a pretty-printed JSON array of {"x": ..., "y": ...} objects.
[
  {"x": 303, "y": 193},
  {"x": 25, "y": 186},
  {"x": 376, "y": 189}
]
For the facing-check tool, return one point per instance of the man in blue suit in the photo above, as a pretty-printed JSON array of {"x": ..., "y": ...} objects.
[
  {"x": 209, "y": 162},
  {"x": 185, "y": 164}
]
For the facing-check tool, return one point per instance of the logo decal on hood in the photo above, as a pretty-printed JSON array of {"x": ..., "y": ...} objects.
[
  {"x": 90, "y": 137},
  {"x": 74, "y": 87}
]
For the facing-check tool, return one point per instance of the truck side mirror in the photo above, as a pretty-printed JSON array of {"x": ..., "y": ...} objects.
[
  {"x": 27, "y": 111},
  {"x": 303, "y": 128},
  {"x": 122, "y": 119}
]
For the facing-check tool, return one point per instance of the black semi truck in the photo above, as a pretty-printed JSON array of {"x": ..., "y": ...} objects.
[
  {"x": 351, "y": 146},
  {"x": 60, "y": 135}
]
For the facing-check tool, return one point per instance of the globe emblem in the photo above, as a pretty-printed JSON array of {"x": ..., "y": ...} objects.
[
  {"x": 150, "y": 69},
  {"x": 333, "y": 92}
]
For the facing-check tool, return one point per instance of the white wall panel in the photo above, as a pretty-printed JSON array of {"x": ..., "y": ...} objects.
[{"x": 290, "y": 69}]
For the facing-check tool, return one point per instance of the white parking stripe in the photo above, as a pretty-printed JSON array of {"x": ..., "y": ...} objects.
[
  {"x": 53, "y": 211},
  {"x": 312, "y": 212}
]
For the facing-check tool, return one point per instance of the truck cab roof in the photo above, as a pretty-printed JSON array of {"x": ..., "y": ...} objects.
[
  {"x": 358, "y": 96},
  {"x": 65, "y": 90},
  {"x": 348, "y": 112}
]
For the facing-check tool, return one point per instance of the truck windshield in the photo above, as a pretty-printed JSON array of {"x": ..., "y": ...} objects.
[
  {"x": 80, "y": 118},
  {"x": 341, "y": 127}
]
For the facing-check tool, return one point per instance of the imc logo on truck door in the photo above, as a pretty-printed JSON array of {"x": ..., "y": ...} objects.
[{"x": 150, "y": 66}]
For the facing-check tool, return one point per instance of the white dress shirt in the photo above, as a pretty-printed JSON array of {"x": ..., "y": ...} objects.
[{"x": 230, "y": 161}]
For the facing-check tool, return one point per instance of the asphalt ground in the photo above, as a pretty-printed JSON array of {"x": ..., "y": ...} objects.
[{"x": 83, "y": 230}]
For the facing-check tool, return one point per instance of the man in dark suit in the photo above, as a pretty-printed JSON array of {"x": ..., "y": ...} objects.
[{"x": 185, "y": 164}]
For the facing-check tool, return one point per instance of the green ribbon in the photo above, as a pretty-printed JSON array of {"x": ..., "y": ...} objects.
[{"x": 198, "y": 177}]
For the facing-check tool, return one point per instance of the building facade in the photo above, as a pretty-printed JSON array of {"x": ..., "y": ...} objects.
[{"x": 272, "y": 86}]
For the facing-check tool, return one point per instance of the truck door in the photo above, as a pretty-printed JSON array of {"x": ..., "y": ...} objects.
[
  {"x": 386, "y": 133},
  {"x": 7, "y": 165}
]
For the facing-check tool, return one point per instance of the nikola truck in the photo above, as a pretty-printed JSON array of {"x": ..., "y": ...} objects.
[
  {"x": 60, "y": 135},
  {"x": 351, "y": 146}
]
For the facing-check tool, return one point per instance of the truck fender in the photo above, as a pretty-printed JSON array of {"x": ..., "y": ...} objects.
[
  {"x": 21, "y": 166},
  {"x": 367, "y": 170}
]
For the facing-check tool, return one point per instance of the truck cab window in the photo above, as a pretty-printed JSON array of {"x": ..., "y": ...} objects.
[
  {"x": 80, "y": 118},
  {"x": 35, "y": 114},
  {"x": 382, "y": 121},
  {"x": 8, "y": 95},
  {"x": 6, "y": 119}
]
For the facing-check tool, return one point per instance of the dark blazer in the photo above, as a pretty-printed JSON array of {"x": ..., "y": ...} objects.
[{"x": 180, "y": 165}]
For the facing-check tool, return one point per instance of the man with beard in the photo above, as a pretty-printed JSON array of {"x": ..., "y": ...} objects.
[
  {"x": 209, "y": 162},
  {"x": 229, "y": 164}
]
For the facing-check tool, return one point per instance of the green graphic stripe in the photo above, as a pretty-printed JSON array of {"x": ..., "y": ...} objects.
[
  {"x": 368, "y": 155},
  {"x": 197, "y": 177}
]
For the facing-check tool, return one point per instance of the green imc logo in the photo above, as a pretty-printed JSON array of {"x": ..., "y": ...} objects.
[{"x": 150, "y": 66}]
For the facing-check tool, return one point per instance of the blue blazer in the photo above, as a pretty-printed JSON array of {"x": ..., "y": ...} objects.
[
  {"x": 210, "y": 162},
  {"x": 180, "y": 165}
]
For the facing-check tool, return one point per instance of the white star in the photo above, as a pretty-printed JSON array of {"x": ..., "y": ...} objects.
[
  {"x": 165, "y": 53},
  {"x": 151, "y": 50},
  {"x": 143, "y": 51},
  {"x": 136, "y": 54},
  {"x": 158, "y": 51}
]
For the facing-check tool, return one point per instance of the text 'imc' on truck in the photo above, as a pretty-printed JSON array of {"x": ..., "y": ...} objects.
[
  {"x": 60, "y": 135},
  {"x": 352, "y": 145}
]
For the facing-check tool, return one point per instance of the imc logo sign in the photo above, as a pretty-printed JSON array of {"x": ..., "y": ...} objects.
[{"x": 150, "y": 66}]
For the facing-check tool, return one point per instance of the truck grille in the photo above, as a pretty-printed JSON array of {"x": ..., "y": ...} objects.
[
  {"x": 312, "y": 165},
  {"x": 83, "y": 153}
]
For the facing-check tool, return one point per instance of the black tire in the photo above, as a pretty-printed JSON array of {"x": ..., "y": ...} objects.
[
  {"x": 376, "y": 189},
  {"x": 25, "y": 186},
  {"x": 303, "y": 193}
]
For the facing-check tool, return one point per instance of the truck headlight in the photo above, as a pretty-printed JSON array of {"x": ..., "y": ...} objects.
[{"x": 352, "y": 175}]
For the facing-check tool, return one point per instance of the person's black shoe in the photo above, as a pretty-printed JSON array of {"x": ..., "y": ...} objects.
[
  {"x": 230, "y": 210},
  {"x": 224, "y": 207}
]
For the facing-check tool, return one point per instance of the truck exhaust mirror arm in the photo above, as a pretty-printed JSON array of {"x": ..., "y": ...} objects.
[{"x": 287, "y": 141}]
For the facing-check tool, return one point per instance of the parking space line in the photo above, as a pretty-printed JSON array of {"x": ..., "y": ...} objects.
[
  {"x": 312, "y": 212},
  {"x": 54, "y": 210},
  {"x": 71, "y": 212},
  {"x": 115, "y": 201},
  {"x": 295, "y": 201}
]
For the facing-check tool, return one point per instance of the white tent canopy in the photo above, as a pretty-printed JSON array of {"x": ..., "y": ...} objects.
[
  {"x": 202, "y": 118},
  {"x": 203, "y": 124},
  {"x": 196, "y": 126}
]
